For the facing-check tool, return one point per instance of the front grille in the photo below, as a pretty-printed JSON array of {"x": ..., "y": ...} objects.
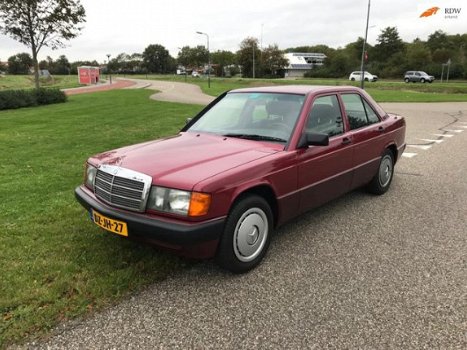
[{"x": 122, "y": 188}]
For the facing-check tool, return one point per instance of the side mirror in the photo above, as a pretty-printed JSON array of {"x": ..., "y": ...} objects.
[{"x": 313, "y": 139}]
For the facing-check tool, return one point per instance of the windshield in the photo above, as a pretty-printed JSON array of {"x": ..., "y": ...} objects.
[{"x": 255, "y": 116}]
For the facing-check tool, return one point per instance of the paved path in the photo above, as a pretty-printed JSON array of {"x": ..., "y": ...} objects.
[
  {"x": 173, "y": 91},
  {"x": 116, "y": 84},
  {"x": 166, "y": 90}
]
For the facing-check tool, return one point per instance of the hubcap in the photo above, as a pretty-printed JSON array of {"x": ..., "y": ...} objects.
[
  {"x": 250, "y": 234},
  {"x": 385, "y": 171}
]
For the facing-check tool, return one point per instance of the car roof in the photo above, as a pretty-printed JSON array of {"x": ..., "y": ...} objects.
[{"x": 297, "y": 89}]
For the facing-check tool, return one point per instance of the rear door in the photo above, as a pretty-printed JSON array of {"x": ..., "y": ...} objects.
[
  {"x": 367, "y": 135},
  {"x": 324, "y": 172}
]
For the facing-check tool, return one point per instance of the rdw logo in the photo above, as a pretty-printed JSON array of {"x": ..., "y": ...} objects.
[{"x": 430, "y": 12}]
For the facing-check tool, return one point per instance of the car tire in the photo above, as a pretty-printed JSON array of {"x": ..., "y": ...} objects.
[
  {"x": 383, "y": 177},
  {"x": 247, "y": 234},
  {"x": 407, "y": 80},
  {"x": 366, "y": 79},
  {"x": 422, "y": 80},
  {"x": 430, "y": 81},
  {"x": 353, "y": 79}
]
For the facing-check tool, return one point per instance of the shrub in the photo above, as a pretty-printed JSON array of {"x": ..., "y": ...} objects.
[{"x": 12, "y": 99}]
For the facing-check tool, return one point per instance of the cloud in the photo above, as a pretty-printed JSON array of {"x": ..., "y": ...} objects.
[{"x": 121, "y": 26}]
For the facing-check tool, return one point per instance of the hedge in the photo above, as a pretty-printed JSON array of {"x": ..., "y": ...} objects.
[{"x": 12, "y": 99}]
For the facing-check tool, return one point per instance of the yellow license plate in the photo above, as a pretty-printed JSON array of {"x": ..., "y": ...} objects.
[{"x": 115, "y": 226}]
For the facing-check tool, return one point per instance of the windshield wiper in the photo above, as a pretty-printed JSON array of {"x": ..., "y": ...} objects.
[{"x": 256, "y": 137}]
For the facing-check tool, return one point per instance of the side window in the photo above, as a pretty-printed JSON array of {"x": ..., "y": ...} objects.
[
  {"x": 370, "y": 113},
  {"x": 325, "y": 116},
  {"x": 358, "y": 111}
]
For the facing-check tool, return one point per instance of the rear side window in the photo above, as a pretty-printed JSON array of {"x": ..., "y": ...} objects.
[{"x": 358, "y": 111}]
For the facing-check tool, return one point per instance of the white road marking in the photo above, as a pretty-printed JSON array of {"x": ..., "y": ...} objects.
[
  {"x": 463, "y": 126},
  {"x": 423, "y": 147},
  {"x": 434, "y": 141},
  {"x": 408, "y": 155},
  {"x": 443, "y": 135},
  {"x": 458, "y": 131}
]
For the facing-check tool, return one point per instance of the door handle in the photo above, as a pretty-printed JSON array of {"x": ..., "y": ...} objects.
[
  {"x": 346, "y": 141},
  {"x": 381, "y": 129}
]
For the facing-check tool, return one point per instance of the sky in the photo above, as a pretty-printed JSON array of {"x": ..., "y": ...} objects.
[{"x": 116, "y": 26}]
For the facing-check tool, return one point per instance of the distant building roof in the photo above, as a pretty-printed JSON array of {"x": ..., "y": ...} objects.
[{"x": 304, "y": 60}]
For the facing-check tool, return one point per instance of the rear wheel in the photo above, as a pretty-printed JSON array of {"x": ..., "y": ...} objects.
[
  {"x": 406, "y": 80},
  {"x": 353, "y": 79},
  {"x": 247, "y": 235},
  {"x": 383, "y": 178}
]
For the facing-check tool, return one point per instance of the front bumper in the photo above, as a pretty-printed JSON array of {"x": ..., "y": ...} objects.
[{"x": 193, "y": 239}]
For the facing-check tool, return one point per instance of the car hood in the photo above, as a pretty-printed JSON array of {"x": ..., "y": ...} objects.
[{"x": 183, "y": 160}]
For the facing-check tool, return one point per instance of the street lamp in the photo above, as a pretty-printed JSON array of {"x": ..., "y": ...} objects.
[
  {"x": 108, "y": 69},
  {"x": 209, "y": 59},
  {"x": 362, "y": 76}
]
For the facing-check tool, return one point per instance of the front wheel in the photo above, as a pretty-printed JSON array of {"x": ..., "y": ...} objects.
[
  {"x": 406, "y": 80},
  {"x": 383, "y": 178},
  {"x": 422, "y": 80},
  {"x": 246, "y": 236}
]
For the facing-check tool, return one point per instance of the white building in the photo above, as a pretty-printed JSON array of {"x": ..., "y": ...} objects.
[{"x": 300, "y": 63}]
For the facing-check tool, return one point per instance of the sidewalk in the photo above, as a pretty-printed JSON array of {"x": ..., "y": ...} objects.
[{"x": 116, "y": 84}]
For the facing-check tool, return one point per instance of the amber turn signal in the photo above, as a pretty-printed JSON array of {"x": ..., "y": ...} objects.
[{"x": 199, "y": 204}]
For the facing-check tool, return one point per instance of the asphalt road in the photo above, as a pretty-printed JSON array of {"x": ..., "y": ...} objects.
[{"x": 361, "y": 272}]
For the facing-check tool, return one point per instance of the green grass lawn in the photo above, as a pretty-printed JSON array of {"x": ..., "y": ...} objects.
[
  {"x": 382, "y": 91},
  {"x": 8, "y": 82},
  {"x": 55, "y": 263}
]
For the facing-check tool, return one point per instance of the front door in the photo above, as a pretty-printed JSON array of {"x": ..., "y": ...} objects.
[{"x": 325, "y": 172}]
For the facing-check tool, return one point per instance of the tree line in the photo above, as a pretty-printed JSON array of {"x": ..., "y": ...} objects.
[{"x": 390, "y": 57}]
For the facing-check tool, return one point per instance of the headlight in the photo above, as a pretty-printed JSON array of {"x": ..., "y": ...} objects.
[
  {"x": 178, "y": 202},
  {"x": 90, "y": 174}
]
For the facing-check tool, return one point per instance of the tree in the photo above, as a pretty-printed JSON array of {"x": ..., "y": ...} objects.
[
  {"x": 248, "y": 50},
  {"x": 273, "y": 61},
  {"x": 439, "y": 40},
  {"x": 389, "y": 44},
  {"x": 156, "y": 59},
  {"x": 20, "y": 63},
  {"x": 418, "y": 55},
  {"x": 62, "y": 66},
  {"x": 222, "y": 59},
  {"x": 193, "y": 56},
  {"x": 39, "y": 23}
]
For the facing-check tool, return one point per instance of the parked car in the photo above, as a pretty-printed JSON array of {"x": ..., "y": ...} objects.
[
  {"x": 418, "y": 76},
  {"x": 195, "y": 74},
  {"x": 246, "y": 164},
  {"x": 357, "y": 76}
]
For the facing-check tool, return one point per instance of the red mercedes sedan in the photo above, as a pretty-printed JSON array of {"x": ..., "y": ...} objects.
[{"x": 247, "y": 163}]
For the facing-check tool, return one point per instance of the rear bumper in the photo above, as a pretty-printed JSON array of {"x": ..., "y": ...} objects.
[{"x": 193, "y": 239}]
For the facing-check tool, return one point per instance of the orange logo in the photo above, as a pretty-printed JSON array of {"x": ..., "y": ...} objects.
[{"x": 430, "y": 12}]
